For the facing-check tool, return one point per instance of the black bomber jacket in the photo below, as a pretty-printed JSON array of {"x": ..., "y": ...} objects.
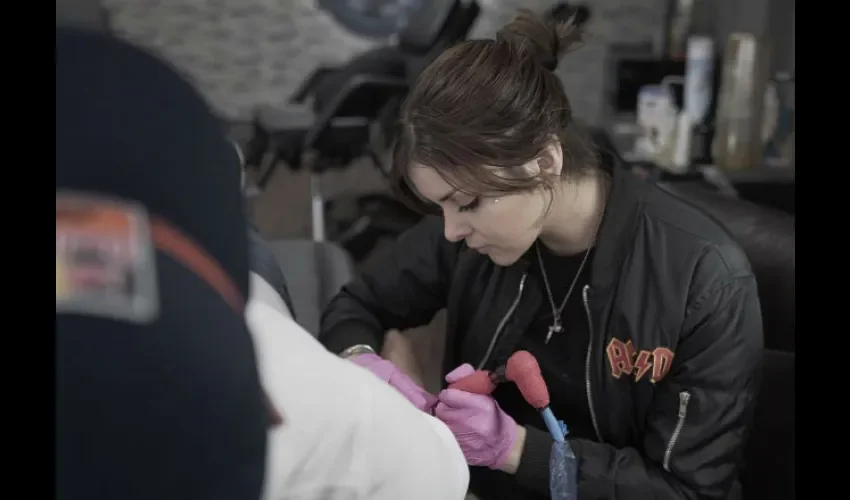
[{"x": 673, "y": 364}]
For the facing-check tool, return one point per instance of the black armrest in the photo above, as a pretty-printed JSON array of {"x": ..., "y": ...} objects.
[
  {"x": 308, "y": 86},
  {"x": 358, "y": 87}
]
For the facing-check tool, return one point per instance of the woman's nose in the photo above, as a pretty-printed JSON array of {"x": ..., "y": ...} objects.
[{"x": 455, "y": 229}]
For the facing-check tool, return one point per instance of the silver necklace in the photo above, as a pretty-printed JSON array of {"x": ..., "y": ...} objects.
[{"x": 556, "y": 326}]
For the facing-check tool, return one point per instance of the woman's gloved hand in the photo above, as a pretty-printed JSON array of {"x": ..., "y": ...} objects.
[
  {"x": 389, "y": 373},
  {"x": 486, "y": 434}
]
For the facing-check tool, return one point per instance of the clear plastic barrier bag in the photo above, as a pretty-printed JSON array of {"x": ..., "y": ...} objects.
[{"x": 563, "y": 472}]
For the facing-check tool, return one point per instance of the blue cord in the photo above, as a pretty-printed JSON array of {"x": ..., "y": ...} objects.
[{"x": 557, "y": 429}]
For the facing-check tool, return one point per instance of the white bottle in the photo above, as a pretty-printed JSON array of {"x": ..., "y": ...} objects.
[{"x": 699, "y": 76}]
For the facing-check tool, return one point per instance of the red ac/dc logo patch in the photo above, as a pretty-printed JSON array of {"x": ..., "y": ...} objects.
[{"x": 626, "y": 360}]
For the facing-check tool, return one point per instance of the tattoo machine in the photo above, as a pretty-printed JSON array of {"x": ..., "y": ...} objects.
[{"x": 523, "y": 370}]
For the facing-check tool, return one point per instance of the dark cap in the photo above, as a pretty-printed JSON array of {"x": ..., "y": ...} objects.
[
  {"x": 128, "y": 124},
  {"x": 160, "y": 400}
]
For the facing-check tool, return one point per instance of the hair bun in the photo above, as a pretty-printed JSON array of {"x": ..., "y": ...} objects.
[{"x": 544, "y": 39}]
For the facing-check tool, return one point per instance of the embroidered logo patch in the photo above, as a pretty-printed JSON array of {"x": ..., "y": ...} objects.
[
  {"x": 104, "y": 259},
  {"x": 626, "y": 360}
]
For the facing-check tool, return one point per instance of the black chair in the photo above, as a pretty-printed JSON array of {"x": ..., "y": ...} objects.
[
  {"x": 332, "y": 137},
  {"x": 347, "y": 99},
  {"x": 437, "y": 26}
]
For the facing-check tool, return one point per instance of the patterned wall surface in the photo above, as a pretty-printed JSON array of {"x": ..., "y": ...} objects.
[{"x": 244, "y": 53}]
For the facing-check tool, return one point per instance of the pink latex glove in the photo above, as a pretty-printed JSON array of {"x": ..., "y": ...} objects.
[
  {"x": 389, "y": 373},
  {"x": 485, "y": 433}
]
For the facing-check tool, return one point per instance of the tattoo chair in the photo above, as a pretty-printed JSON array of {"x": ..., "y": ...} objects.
[
  {"x": 346, "y": 102},
  {"x": 767, "y": 236}
]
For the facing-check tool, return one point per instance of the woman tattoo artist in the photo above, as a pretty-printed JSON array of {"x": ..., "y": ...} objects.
[{"x": 641, "y": 310}]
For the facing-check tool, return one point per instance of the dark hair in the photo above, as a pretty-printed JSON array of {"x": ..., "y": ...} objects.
[{"x": 494, "y": 103}]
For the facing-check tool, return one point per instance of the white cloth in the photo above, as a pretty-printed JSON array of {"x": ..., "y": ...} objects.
[
  {"x": 346, "y": 434},
  {"x": 262, "y": 291}
]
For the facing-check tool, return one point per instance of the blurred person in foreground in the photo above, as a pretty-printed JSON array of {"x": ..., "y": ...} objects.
[
  {"x": 162, "y": 391},
  {"x": 642, "y": 310}
]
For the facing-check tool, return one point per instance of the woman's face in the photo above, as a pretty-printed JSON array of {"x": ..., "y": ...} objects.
[{"x": 502, "y": 228}]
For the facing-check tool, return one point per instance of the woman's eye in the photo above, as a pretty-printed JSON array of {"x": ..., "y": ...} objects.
[{"x": 472, "y": 205}]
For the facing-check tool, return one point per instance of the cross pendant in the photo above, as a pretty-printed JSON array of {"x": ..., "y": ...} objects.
[{"x": 555, "y": 328}]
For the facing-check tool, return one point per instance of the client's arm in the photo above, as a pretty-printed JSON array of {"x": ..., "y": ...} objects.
[
  {"x": 262, "y": 291},
  {"x": 345, "y": 434}
]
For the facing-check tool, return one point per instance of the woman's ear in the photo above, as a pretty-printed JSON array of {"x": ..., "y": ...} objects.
[{"x": 551, "y": 160}]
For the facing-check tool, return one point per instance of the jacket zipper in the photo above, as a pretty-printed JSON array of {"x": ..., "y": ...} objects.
[
  {"x": 503, "y": 322},
  {"x": 684, "y": 399},
  {"x": 587, "y": 360}
]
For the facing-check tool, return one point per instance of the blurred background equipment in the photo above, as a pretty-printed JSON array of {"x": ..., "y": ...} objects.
[{"x": 714, "y": 102}]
